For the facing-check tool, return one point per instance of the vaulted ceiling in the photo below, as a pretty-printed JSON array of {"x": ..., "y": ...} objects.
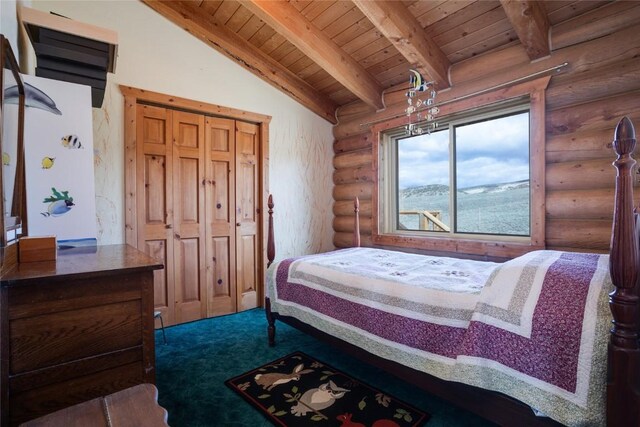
[{"x": 327, "y": 54}]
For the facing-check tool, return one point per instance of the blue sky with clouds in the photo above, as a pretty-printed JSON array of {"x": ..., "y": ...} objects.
[{"x": 489, "y": 152}]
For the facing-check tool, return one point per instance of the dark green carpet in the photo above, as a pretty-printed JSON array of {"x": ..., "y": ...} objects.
[{"x": 200, "y": 356}]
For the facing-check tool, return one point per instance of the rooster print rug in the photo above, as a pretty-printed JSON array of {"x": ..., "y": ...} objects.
[{"x": 298, "y": 390}]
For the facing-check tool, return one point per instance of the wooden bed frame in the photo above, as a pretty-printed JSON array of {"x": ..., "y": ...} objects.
[{"x": 623, "y": 379}]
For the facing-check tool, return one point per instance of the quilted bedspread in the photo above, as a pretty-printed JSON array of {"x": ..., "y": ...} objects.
[{"x": 534, "y": 328}]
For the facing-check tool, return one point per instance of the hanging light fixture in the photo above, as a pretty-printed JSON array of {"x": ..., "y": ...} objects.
[{"x": 421, "y": 99}]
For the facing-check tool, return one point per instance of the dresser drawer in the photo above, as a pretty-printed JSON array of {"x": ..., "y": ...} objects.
[
  {"x": 58, "y": 295},
  {"x": 50, "y": 339},
  {"x": 44, "y": 400}
]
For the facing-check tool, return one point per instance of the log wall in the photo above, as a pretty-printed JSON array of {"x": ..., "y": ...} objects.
[{"x": 583, "y": 104}]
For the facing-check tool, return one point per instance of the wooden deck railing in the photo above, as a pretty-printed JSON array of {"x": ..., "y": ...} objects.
[{"x": 428, "y": 220}]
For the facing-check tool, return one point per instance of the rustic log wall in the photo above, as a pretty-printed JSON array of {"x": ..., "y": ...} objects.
[{"x": 583, "y": 104}]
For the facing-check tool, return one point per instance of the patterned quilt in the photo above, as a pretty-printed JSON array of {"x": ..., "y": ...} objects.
[{"x": 534, "y": 328}]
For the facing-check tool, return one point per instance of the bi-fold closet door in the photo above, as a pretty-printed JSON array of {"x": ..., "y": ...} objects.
[{"x": 197, "y": 210}]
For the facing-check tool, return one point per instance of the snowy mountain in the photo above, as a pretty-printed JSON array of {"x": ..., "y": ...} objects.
[
  {"x": 425, "y": 190},
  {"x": 438, "y": 189},
  {"x": 495, "y": 188}
]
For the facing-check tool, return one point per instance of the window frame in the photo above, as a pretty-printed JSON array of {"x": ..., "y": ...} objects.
[
  {"x": 389, "y": 142},
  {"x": 531, "y": 92}
]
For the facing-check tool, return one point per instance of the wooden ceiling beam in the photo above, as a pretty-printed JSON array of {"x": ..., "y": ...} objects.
[
  {"x": 531, "y": 23},
  {"x": 187, "y": 16},
  {"x": 404, "y": 31},
  {"x": 289, "y": 22}
]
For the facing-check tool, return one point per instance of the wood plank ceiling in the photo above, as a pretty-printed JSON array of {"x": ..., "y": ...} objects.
[{"x": 328, "y": 54}]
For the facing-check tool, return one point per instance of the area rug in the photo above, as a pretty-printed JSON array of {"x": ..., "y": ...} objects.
[{"x": 297, "y": 390}]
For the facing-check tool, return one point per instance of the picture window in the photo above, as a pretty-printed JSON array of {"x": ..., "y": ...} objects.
[{"x": 470, "y": 176}]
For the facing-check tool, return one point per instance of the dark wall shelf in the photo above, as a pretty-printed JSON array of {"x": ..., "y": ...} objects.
[{"x": 71, "y": 51}]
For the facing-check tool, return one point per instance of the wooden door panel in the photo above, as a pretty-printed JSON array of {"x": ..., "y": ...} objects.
[
  {"x": 247, "y": 285},
  {"x": 188, "y": 207},
  {"x": 247, "y": 250},
  {"x": 247, "y": 140},
  {"x": 223, "y": 298},
  {"x": 154, "y": 125},
  {"x": 188, "y": 191},
  {"x": 221, "y": 191},
  {"x": 247, "y": 191},
  {"x": 220, "y": 137},
  {"x": 187, "y": 281},
  {"x": 155, "y": 189},
  {"x": 221, "y": 258},
  {"x": 188, "y": 134},
  {"x": 154, "y": 130},
  {"x": 188, "y": 273},
  {"x": 220, "y": 211},
  {"x": 247, "y": 187},
  {"x": 154, "y": 199}
]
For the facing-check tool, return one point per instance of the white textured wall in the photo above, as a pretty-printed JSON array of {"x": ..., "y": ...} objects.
[
  {"x": 9, "y": 23},
  {"x": 156, "y": 55}
]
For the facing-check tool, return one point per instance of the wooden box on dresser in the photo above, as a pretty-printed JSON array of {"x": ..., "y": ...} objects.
[{"x": 75, "y": 329}]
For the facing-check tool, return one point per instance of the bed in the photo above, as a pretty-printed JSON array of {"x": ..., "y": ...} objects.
[{"x": 524, "y": 342}]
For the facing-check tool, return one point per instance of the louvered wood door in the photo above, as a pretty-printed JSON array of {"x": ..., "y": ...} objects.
[
  {"x": 247, "y": 215},
  {"x": 189, "y": 216},
  {"x": 220, "y": 216},
  {"x": 154, "y": 200}
]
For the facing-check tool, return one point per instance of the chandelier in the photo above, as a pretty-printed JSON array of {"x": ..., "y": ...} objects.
[{"x": 421, "y": 110}]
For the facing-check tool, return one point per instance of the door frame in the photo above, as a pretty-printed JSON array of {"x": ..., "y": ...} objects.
[{"x": 134, "y": 96}]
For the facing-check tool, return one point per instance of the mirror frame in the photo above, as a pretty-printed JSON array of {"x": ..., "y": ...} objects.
[{"x": 17, "y": 220}]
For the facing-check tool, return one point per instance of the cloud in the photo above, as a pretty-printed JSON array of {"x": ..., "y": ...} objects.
[
  {"x": 483, "y": 170},
  {"x": 424, "y": 174},
  {"x": 488, "y": 152},
  {"x": 503, "y": 138},
  {"x": 423, "y": 160}
]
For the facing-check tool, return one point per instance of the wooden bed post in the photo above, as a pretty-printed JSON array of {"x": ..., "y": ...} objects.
[
  {"x": 356, "y": 228},
  {"x": 271, "y": 255},
  {"x": 623, "y": 383},
  {"x": 271, "y": 244}
]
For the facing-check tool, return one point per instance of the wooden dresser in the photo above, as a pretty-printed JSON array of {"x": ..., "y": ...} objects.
[{"x": 75, "y": 329}]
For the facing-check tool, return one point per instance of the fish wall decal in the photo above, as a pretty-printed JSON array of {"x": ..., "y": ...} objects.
[
  {"x": 59, "y": 203},
  {"x": 71, "y": 141},
  {"x": 58, "y": 208},
  {"x": 47, "y": 162},
  {"x": 33, "y": 97}
]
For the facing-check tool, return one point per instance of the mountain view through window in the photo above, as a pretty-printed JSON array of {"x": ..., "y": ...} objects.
[{"x": 487, "y": 163}]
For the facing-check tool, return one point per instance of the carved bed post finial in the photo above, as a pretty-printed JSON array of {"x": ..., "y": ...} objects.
[
  {"x": 623, "y": 388},
  {"x": 356, "y": 228},
  {"x": 271, "y": 244},
  {"x": 271, "y": 255}
]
